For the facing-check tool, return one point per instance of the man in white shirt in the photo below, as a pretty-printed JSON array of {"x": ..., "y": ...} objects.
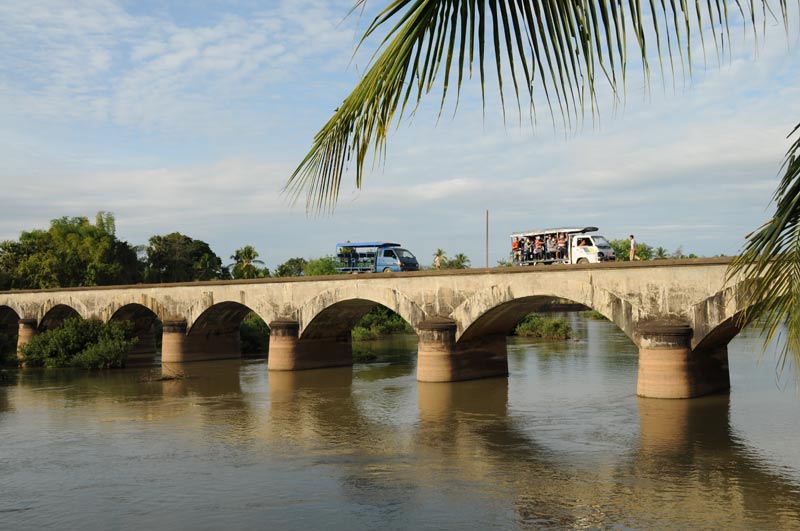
[{"x": 633, "y": 248}]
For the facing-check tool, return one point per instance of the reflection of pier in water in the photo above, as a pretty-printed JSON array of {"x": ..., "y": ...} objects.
[{"x": 688, "y": 466}]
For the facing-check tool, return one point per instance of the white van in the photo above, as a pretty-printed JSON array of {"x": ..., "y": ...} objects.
[{"x": 565, "y": 245}]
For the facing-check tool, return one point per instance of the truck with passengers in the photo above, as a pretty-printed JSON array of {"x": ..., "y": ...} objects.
[
  {"x": 564, "y": 245},
  {"x": 374, "y": 257}
]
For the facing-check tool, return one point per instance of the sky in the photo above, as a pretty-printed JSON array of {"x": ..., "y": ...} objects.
[{"x": 190, "y": 116}]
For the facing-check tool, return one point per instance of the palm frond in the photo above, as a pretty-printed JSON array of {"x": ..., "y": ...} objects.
[
  {"x": 550, "y": 49},
  {"x": 770, "y": 267}
]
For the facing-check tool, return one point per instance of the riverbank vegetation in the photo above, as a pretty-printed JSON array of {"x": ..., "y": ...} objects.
[
  {"x": 254, "y": 335},
  {"x": 535, "y": 325},
  {"x": 88, "y": 344},
  {"x": 380, "y": 322},
  {"x": 594, "y": 315}
]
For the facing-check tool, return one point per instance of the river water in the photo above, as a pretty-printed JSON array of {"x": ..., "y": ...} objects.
[{"x": 562, "y": 443}]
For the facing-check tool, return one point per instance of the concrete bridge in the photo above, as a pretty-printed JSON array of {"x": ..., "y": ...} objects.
[{"x": 681, "y": 315}]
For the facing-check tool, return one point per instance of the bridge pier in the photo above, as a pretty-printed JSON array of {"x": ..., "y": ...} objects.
[
  {"x": 668, "y": 368},
  {"x": 177, "y": 346},
  {"x": 440, "y": 359},
  {"x": 288, "y": 352},
  {"x": 27, "y": 330}
]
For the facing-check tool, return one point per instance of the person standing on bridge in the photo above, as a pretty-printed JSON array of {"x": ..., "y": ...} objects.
[{"x": 633, "y": 248}]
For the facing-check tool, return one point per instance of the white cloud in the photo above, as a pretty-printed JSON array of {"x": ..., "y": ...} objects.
[{"x": 195, "y": 126}]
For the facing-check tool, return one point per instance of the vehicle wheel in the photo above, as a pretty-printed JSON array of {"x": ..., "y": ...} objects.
[
  {"x": 582, "y": 261},
  {"x": 387, "y": 269}
]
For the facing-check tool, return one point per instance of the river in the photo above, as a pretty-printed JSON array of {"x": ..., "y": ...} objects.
[{"x": 562, "y": 443}]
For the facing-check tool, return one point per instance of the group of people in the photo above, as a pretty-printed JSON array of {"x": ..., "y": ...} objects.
[{"x": 542, "y": 247}]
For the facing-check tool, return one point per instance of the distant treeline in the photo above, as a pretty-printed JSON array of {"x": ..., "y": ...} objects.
[{"x": 75, "y": 252}]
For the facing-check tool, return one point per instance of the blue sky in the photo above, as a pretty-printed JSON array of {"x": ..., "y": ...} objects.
[{"x": 190, "y": 116}]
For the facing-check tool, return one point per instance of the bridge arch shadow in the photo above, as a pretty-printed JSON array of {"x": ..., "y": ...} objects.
[
  {"x": 146, "y": 327},
  {"x": 500, "y": 320},
  {"x": 55, "y": 316},
  {"x": 9, "y": 331},
  {"x": 217, "y": 332},
  {"x": 337, "y": 321}
]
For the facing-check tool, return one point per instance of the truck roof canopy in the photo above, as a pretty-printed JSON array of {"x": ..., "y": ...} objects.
[
  {"x": 367, "y": 244},
  {"x": 567, "y": 230}
]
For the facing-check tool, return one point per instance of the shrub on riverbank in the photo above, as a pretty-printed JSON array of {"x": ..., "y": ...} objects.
[
  {"x": 535, "y": 325},
  {"x": 378, "y": 322},
  {"x": 89, "y": 344},
  {"x": 254, "y": 334},
  {"x": 594, "y": 315}
]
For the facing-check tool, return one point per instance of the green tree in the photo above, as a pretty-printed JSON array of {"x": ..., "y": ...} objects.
[
  {"x": 72, "y": 252},
  {"x": 253, "y": 334},
  {"x": 622, "y": 248},
  {"x": 293, "y": 267},
  {"x": 179, "y": 258},
  {"x": 89, "y": 344},
  {"x": 661, "y": 254},
  {"x": 770, "y": 265},
  {"x": 459, "y": 261},
  {"x": 244, "y": 265},
  {"x": 321, "y": 266}
]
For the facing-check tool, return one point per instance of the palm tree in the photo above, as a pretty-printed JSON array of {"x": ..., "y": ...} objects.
[
  {"x": 770, "y": 264},
  {"x": 556, "y": 52},
  {"x": 244, "y": 263},
  {"x": 661, "y": 254},
  {"x": 459, "y": 261}
]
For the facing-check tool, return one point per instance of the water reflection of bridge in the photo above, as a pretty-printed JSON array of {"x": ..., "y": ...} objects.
[{"x": 685, "y": 469}]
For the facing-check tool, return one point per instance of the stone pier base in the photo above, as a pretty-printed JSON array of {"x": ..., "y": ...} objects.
[
  {"x": 287, "y": 352},
  {"x": 27, "y": 329},
  {"x": 178, "y": 347},
  {"x": 440, "y": 360},
  {"x": 668, "y": 368}
]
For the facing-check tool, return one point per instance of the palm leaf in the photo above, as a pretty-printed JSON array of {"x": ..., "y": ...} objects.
[
  {"x": 548, "y": 48},
  {"x": 770, "y": 266}
]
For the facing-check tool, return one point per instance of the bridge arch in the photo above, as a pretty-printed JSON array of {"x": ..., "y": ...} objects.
[
  {"x": 220, "y": 318},
  {"x": 214, "y": 334},
  {"x": 146, "y": 326},
  {"x": 54, "y": 315},
  {"x": 496, "y": 310},
  {"x": 128, "y": 306},
  {"x": 342, "y": 308},
  {"x": 718, "y": 318},
  {"x": 501, "y": 319}
]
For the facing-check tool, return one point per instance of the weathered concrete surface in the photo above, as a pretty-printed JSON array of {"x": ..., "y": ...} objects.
[{"x": 483, "y": 304}]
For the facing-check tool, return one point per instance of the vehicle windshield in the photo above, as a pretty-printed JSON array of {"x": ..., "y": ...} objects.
[
  {"x": 402, "y": 253},
  {"x": 600, "y": 241}
]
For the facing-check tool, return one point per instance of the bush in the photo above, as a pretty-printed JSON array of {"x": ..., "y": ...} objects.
[
  {"x": 380, "y": 321},
  {"x": 81, "y": 343},
  {"x": 105, "y": 354},
  {"x": 534, "y": 325},
  {"x": 254, "y": 334},
  {"x": 361, "y": 333}
]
